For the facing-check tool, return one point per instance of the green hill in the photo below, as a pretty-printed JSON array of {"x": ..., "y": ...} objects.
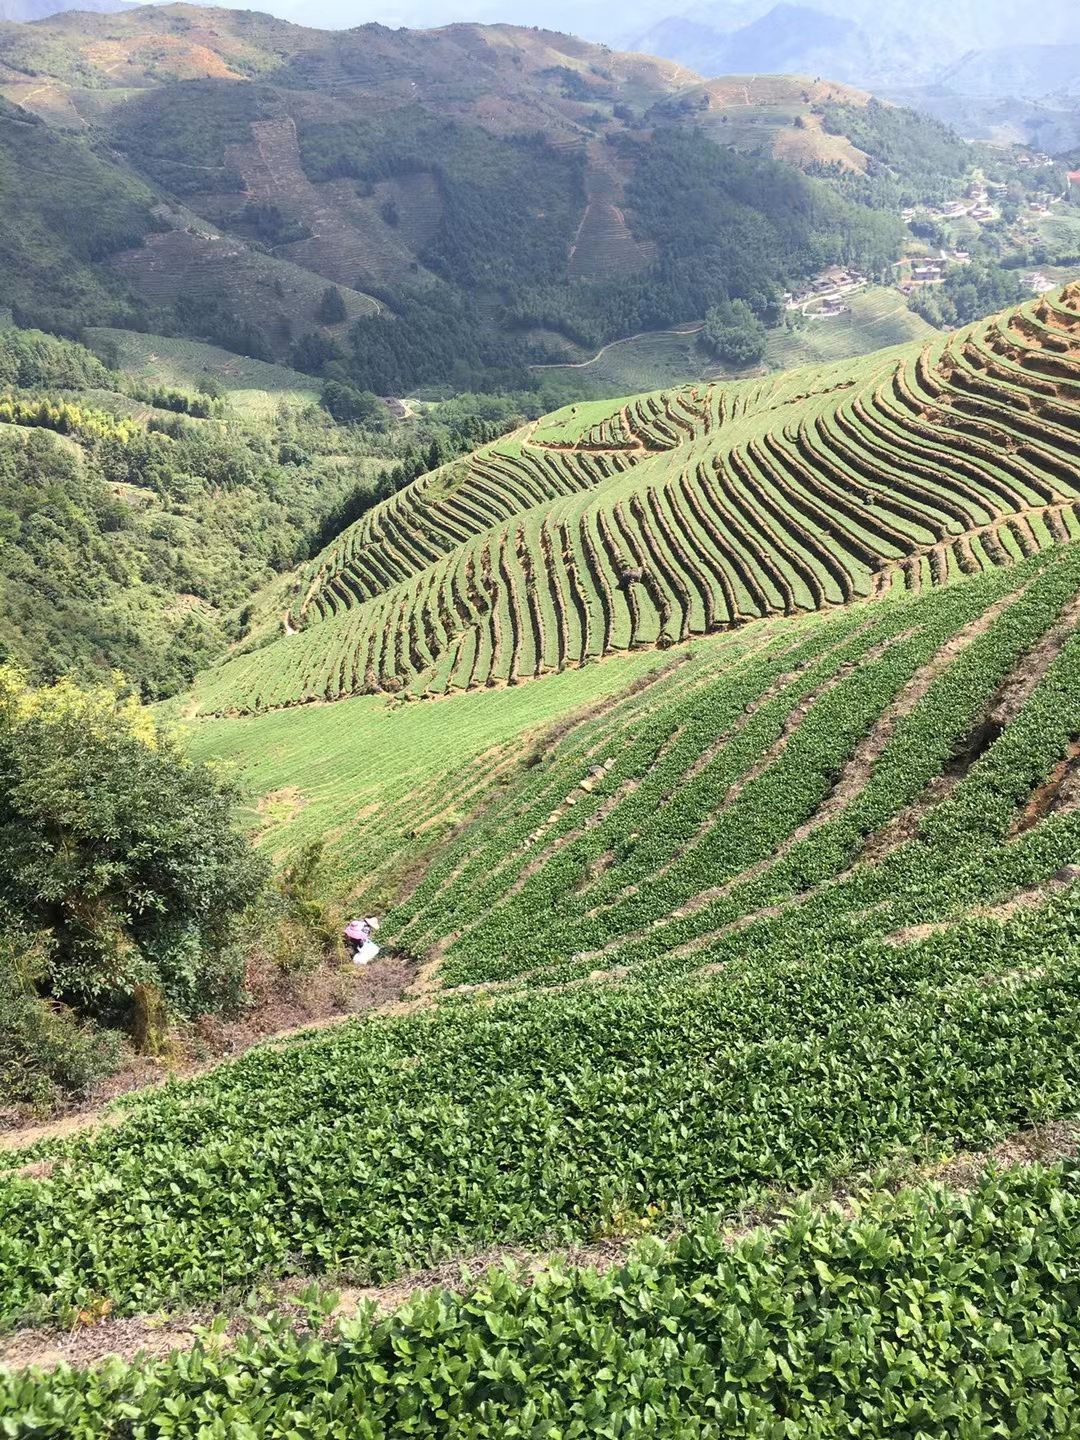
[
  {"x": 492, "y": 191},
  {"x": 791, "y": 920},
  {"x": 611, "y": 527}
]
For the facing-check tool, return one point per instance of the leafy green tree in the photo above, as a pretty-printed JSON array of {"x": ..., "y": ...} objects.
[
  {"x": 124, "y": 859},
  {"x": 735, "y": 334},
  {"x": 967, "y": 293},
  {"x": 314, "y": 350},
  {"x": 45, "y": 1052},
  {"x": 350, "y": 406},
  {"x": 331, "y": 309}
]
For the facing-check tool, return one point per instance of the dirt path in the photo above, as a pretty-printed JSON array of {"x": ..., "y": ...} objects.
[{"x": 694, "y": 329}]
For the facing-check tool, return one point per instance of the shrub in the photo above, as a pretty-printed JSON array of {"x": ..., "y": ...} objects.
[
  {"x": 121, "y": 855},
  {"x": 45, "y": 1053}
]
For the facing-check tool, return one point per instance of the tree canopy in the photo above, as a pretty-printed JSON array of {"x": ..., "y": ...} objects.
[{"x": 121, "y": 857}]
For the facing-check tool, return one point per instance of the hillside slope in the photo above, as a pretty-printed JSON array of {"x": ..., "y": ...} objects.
[
  {"x": 607, "y": 528},
  {"x": 794, "y": 918}
]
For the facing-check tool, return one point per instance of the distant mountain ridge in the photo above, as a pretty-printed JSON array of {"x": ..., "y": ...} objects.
[
  {"x": 940, "y": 58},
  {"x": 28, "y": 10},
  {"x": 499, "y": 192}
]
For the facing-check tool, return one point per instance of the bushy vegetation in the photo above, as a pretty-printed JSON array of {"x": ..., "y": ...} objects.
[
  {"x": 726, "y": 227},
  {"x": 816, "y": 1326},
  {"x": 126, "y": 879},
  {"x": 179, "y": 133},
  {"x": 914, "y": 158},
  {"x": 75, "y": 209},
  {"x": 120, "y": 857},
  {"x": 493, "y": 189},
  {"x": 966, "y": 293},
  {"x": 135, "y": 551},
  {"x": 46, "y": 1054},
  {"x": 735, "y": 334},
  {"x": 134, "y": 543}
]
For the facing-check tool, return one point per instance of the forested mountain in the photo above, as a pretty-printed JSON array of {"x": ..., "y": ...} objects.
[
  {"x": 476, "y": 196},
  {"x": 138, "y": 517}
]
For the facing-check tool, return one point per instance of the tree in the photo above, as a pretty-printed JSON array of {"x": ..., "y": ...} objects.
[
  {"x": 331, "y": 309},
  {"x": 735, "y": 334},
  {"x": 121, "y": 857},
  {"x": 314, "y": 350},
  {"x": 350, "y": 406}
]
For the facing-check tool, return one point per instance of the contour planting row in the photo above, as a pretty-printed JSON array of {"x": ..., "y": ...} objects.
[
  {"x": 807, "y": 768},
  {"x": 952, "y": 1312},
  {"x": 532, "y": 598},
  {"x": 395, "y": 1143},
  {"x": 678, "y": 514},
  {"x": 436, "y": 515}
]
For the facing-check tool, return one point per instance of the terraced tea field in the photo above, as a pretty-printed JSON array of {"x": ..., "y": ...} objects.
[
  {"x": 793, "y": 920},
  {"x": 912, "y": 761},
  {"x": 254, "y": 387},
  {"x": 616, "y": 526},
  {"x": 745, "y": 1026},
  {"x": 874, "y": 319}
]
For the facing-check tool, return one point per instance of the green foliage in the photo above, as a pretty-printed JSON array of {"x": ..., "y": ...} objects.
[
  {"x": 123, "y": 856},
  {"x": 130, "y": 546},
  {"x": 45, "y": 1053},
  {"x": 392, "y": 1144},
  {"x": 76, "y": 208},
  {"x": 309, "y": 923},
  {"x": 914, "y": 159},
  {"x": 735, "y": 334},
  {"x": 178, "y": 133},
  {"x": 440, "y": 337},
  {"x": 30, "y": 359},
  {"x": 510, "y": 203},
  {"x": 953, "y": 1313},
  {"x": 350, "y": 406},
  {"x": 211, "y": 316},
  {"x": 331, "y": 309},
  {"x": 968, "y": 292},
  {"x": 725, "y": 226}
]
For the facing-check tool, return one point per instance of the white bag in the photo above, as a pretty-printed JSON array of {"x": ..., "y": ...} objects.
[{"x": 366, "y": 953}]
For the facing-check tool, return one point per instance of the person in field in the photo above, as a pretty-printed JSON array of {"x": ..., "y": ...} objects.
[{"x": 358, "y": 941}]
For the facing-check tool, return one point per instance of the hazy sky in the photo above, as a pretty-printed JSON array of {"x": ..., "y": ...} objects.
[{"x": 975, "y": 23}]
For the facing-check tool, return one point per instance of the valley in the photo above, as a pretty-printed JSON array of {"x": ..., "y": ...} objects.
[{"x": 485, "y": 201}]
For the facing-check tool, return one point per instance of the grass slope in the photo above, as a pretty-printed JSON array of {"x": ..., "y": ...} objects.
[
  {"x": 384, "y": 785},
  {"x": 254, "y": 387},
  {"x": 619, "y": 526},
  {"x": 873, "y": 320}
]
